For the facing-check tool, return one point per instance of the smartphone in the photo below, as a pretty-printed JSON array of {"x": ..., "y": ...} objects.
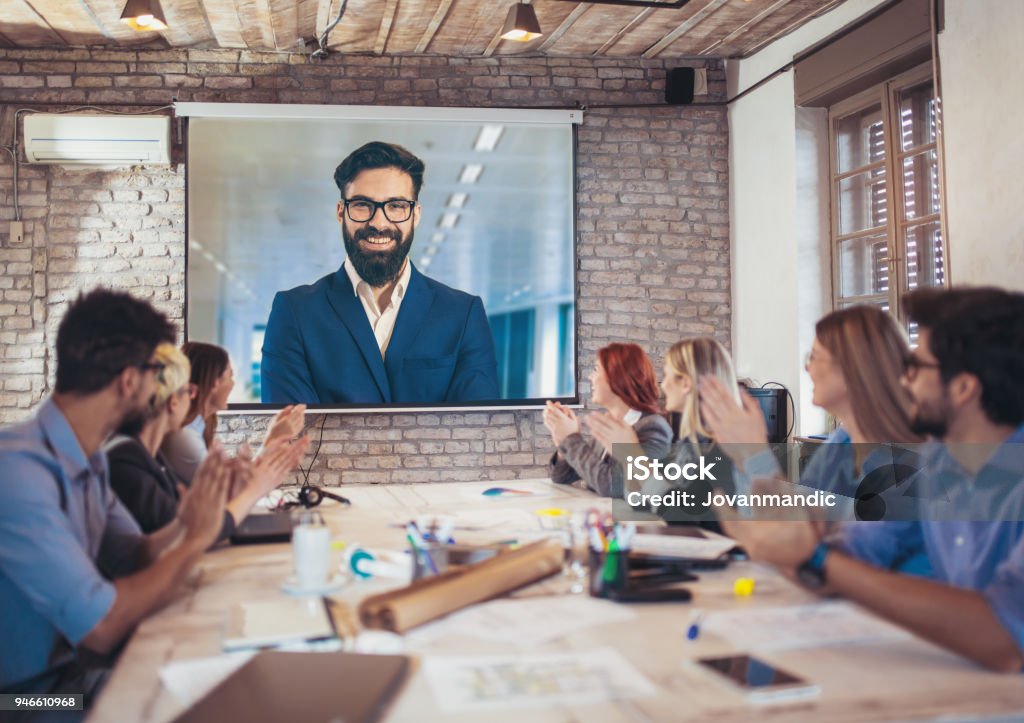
[{"x": 760, "y": 681}]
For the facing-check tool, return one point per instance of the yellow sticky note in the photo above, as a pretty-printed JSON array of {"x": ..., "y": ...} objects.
[{"x": 743, "y": 587}]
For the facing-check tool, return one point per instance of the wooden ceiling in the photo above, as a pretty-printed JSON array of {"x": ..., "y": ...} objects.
[{"x": 470, "y": 28}]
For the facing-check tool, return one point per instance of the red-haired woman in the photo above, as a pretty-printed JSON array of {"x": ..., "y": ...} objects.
[{"x": 625, "y": 384}]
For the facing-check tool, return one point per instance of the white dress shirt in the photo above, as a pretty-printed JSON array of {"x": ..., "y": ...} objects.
[{"x": 382, "y": 321}]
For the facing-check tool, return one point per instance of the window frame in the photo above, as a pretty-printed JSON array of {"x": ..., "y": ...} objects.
[{"x": 886, "y": 95}]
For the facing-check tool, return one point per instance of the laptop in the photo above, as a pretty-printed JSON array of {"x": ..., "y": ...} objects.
[
  {"x": 308, "y": 687},
  {"x": 263, "y": 528}
]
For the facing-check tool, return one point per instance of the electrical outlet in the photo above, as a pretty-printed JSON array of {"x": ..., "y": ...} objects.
[
  {"x": 17, "y": 233},
  {"x": 700, "y": 81}
]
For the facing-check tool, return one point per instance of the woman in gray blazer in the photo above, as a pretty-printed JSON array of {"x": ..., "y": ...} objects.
[{"x": 625, "y": 384}]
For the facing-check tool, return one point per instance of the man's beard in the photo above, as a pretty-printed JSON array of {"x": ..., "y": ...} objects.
[
  {"x": 377, "y": 268},
  {"x": 135, "y": 419},
  {"x": 931, "y": 419}
]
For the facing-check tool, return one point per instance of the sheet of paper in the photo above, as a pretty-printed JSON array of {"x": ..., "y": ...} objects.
[
  {"x": 697, "y": 548},
  {"x": 524, "y": 621},
  {"x": 190, "y": 680},
  {"x": 499, "y": 519},
  {"x": 801, "y": 626},
  {"x": 481, "y": 684}
]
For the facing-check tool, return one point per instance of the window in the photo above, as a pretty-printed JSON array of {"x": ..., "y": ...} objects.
[{"x": 886, "y": 203}]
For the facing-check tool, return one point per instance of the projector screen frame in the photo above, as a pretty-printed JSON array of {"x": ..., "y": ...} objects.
[{"x": 574, "y": 117}]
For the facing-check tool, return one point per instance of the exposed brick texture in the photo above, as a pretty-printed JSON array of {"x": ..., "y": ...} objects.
[{"x": 652, "y": 199}]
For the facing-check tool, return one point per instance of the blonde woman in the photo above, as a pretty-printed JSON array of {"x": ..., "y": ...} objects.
[
  {"x": 212, "y": 379},
  {"x": 145, "y": 482},
  {"x": 686, "y": 362}
]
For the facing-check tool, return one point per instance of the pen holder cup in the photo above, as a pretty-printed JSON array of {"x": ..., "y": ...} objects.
[
  {"x": 435, "y": 565},
  {"x": 608, "y": 571}
]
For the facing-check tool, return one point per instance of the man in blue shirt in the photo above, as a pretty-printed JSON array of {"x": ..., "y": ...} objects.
[
  {"x": 75, "y": 571},
  {"x": 967, "y": 384}
]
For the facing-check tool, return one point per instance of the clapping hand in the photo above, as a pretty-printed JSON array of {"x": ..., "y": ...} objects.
[
  {"x": 729, "y": 422},
  {"x": 610, "y": 431},
  {"x": 274, "y": 464},
  {"x": 286, "y": 424},
  {"x": 201, "y": 509},
  {"x": 560, "y": 421}
]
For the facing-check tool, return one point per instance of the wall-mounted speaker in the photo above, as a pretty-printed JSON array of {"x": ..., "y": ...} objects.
[{"x": 679, "y": 86}]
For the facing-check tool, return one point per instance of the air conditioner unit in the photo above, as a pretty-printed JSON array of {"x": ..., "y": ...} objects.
[{"x": 99, "y": 140}]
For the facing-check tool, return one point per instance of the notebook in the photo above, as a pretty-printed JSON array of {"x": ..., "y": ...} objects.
[
  {"x": 279, "y": 621},
  {"x": 263, "y": 528},
  {"x": 307, "y": 687}
]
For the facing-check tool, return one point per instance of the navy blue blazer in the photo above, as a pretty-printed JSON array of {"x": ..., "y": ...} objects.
[{"x": 319, "y": 347}]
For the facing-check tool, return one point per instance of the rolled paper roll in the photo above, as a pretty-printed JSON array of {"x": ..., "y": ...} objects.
[{"x": 433, "y": 597}]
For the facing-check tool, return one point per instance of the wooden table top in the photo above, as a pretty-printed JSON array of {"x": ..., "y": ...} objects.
[{"x": 896, "y": 680}]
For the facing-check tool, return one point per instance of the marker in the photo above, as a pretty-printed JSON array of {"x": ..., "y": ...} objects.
[{"x": 424, "y": 554}]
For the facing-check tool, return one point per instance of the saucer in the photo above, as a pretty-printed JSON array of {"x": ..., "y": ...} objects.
[{"x": 291, "y": 586}]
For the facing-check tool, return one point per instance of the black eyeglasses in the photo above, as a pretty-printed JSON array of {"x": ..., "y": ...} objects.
[
  {"x": 912, "y": 365},
  {"x": 154, "y": 366},
  {"x": 361, "y": 210},
  {"x": 157, "y": 367}
]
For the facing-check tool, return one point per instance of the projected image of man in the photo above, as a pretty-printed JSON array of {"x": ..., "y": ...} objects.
[{"x": 377, "y": 330}]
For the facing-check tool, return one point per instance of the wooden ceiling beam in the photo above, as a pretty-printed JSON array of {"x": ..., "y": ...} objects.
[
  {"x": 790, "y": 28},
  {"x": 562, "y": 29},
  {"x": 225, "y": 23},
  {"x": 623, "y": 31},
  {"x": 306, "y": 15},
  {"x": 432, "y": 27},
  {"x": 257, "y": 24},
  {"x": 384, "y": 30},
  {"x": 284, "y": 15},
  {"x": 72, "y": 21},
  {"x": 753, "y": 22},
  {"x": 26, "y": 27},
  {"x": 187, "y": 23},
  {"x": 691, "y": 22}
]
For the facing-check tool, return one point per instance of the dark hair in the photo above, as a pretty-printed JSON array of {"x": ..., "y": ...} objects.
[
  {"x": 980, "y": 331},
  {"x": 208, "y": 362},
  {"x": 377, "y": 154},
  {"x": 631, "y": 376},
  {"x": 102, "y": 333}
]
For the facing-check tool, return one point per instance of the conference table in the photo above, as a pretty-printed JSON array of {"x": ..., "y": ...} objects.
[{"x": 902, "y": 678}]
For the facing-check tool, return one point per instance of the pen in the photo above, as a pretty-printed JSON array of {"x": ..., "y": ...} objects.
[{"x": 693, "y": 631}]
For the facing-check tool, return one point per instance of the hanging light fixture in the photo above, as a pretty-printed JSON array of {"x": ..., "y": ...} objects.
[
  {"x": 144, "y": 15},
  {"x": 521, "y": 23}
]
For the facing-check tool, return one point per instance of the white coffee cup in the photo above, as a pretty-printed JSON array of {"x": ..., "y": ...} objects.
[{"x": 311, "y": 550}]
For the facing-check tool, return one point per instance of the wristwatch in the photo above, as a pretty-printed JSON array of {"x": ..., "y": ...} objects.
[{"x": 811, "y": 574}]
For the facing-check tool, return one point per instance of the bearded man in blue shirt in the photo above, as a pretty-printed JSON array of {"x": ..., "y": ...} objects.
[
  {"x": 966, "y": 377},
  {"x": 76, "y": 573}
]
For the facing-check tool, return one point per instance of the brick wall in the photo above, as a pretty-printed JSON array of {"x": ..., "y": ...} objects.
[{"x": 653, "y": 222}]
